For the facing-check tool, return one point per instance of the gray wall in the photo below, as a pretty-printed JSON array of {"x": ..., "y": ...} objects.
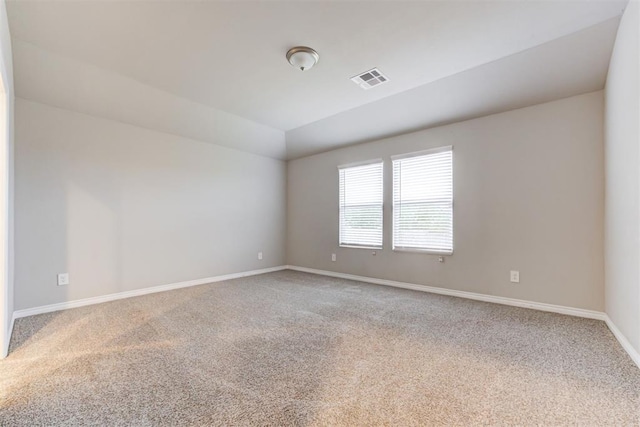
[
  {"x": 529, "y": 196},
  {"x": 121, "y": 208},
  {"x": 622, "y": 207}
]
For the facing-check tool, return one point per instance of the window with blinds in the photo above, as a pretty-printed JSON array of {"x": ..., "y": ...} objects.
[
  {"x": 361, "y": 205},
  {"x": 423, "y": 201}
]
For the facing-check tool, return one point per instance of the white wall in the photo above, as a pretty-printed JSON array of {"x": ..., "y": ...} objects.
[
  {"x": 6, "y": 184},
  {"x": 121, "y": 207},
  {"x": 529, "y": 196},
  {"x": 622, "y": 205}
]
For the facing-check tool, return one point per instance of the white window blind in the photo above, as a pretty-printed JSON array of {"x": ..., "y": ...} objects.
[
  {"x": 361, "y": 205},
  {"x": 423, "y": 201}
]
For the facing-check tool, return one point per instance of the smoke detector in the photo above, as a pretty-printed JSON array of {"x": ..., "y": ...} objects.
[{"x": 369, "y": 79}]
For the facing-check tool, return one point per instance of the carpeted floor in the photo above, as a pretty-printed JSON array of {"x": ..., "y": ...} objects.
[{"x": 290, "y": 348}]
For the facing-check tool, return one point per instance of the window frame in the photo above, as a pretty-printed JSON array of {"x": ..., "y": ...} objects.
[
  {"x": 426, "y": 251},
  {"x": 340, "y": 206}
]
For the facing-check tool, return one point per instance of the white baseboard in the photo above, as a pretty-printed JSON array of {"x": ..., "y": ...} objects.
[
  {"x": 5, "y": 345},
  {"x": 624, "y": 342},
  {"x": 138, "y": 292},
  {"x": 571, "y": 311}
]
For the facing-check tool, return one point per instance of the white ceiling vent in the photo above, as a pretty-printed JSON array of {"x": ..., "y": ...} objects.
[{"x": 370, "y": 78}]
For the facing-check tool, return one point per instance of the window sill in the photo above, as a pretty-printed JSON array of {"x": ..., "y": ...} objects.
[
  {"x": 374, "y": 248},
  {"x": 424, "y": 251}
]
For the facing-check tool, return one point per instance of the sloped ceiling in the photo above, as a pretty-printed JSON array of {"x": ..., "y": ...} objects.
[
  {"x": 216, "y": 71},
  {"x": 571, "y": 65}
]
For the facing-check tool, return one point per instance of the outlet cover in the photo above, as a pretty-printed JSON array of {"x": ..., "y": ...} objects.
[
  {"x": 515, "y": 276},
  {"x": 259, "y": 255},
  {"x": 63, "y": 279},
  {"x": 333, "y": 257}
]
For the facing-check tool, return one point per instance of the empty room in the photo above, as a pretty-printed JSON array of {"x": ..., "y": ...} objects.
[{"x": 319, "y": 213}]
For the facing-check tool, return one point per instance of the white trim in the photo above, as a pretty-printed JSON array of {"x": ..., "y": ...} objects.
[
  {"x": 422, "y": 251},
  {"x": 571, "y": 311},
  {"x": 422, "y": 152},
  {"x": 624, "y": 342},
  {"x": 373, "y": 248},
  {"x": 361, "y": 163},
  {"x": 5, "y": 345},
  {"x": 5, "y": 143},
  {"x": 138, "y": 292}
]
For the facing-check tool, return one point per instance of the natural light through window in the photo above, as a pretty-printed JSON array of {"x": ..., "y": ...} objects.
[
  {"x": 361, "y": 205},
  {"x": 423, "y": 201}
]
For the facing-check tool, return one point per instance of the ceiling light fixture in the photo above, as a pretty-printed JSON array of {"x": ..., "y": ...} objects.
[{"x": 302, "y": 57}]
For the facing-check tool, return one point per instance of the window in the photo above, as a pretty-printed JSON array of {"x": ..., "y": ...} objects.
[
  {"x": 361, "y": 205},
  {"x": 423, "y": 201}
]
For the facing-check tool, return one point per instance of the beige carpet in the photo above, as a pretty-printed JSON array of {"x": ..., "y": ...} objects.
[{"x": 290, "y": 348}]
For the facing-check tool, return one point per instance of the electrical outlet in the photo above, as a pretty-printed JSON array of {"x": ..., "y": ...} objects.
[
  {"x": 515, "y": 276},
  {"x": 374, "y": 253},
  {"x": 260, "y": 255},
  {"x": 333, "y": 257},
  {"x": 440, "y": 259},
  {"x": 63, "y": 279}
]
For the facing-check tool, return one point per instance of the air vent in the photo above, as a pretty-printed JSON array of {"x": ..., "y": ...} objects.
[{"x": 370, "y": 79}]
